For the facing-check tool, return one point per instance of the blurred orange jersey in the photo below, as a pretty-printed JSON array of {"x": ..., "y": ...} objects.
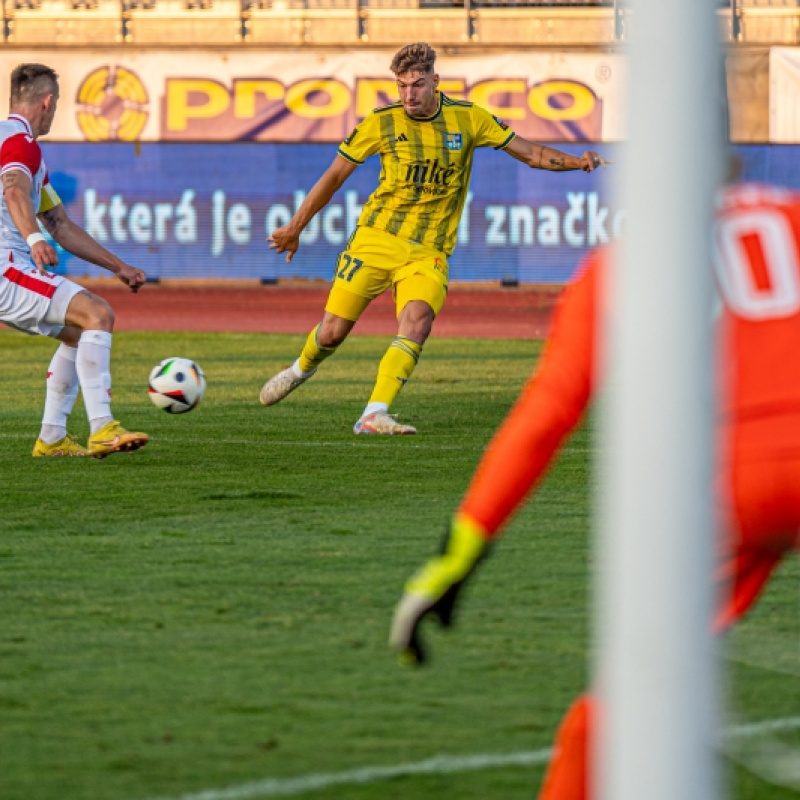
[
  {"x": 550, "y": 406},
  {"x": 757, "y": 492},
  {"x": 757, "y": 266}
]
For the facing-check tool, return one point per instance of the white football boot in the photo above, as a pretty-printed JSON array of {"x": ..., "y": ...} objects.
[
  {"x": 281, "y": 384},
  {"x": 382, "y": 423}
]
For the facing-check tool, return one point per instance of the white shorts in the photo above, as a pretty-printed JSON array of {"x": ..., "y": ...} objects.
[{"x": 31, "y": 301}]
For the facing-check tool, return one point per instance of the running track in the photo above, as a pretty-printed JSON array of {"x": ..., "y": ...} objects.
[{"x": 493, "y": 313}]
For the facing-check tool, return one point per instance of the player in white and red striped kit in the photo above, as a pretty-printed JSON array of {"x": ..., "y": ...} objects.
[{"x": 36, "y": 301}]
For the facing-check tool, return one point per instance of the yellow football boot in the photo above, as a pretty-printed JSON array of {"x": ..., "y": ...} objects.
[
  {"x": 68, "y": 446},
  {"x": 113, "y": 438}
]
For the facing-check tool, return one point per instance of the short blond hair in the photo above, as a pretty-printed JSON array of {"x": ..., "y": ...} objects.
[{"x": 418, "y": 57}]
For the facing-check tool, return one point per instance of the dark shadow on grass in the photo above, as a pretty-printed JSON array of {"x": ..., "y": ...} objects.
[{"x": 256, "y": 495}]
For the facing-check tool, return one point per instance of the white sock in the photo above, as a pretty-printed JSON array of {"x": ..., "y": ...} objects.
[
  {"x": 299, "y": 372},
  {"x": 94, "y": 372},
  {"x": 373, "y": 408},
  {"x": 62, "y": 389}
]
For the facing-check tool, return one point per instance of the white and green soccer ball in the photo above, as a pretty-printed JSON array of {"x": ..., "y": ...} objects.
[{"x": 176, "y": 385}]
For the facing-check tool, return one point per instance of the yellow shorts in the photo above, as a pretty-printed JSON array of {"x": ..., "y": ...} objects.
[{"x": 374, "y": 261}]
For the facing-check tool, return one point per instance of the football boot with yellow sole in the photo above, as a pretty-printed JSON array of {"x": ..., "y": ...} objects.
[
  {"x": 68, "y": 446},
  {"x": 113, "y": 438}
]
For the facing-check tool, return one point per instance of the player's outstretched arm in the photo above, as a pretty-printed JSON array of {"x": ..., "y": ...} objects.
[
  {"x": 17, "y": 193},
  {"x": 436, "y": 587},
  {"x": 75, "y": 240},
  {"x": 287, "y": 239},
  {"x": 542, "y": 156},
  {"x": 550, "y": 406}
]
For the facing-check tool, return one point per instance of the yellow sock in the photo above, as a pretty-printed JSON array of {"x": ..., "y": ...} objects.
[
  {"x": 313, "y": 355},
  {"x": 395, "y": 369}
]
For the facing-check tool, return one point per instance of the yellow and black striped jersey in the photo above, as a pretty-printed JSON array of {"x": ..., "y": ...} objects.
[{"x": 425, "y": 167}]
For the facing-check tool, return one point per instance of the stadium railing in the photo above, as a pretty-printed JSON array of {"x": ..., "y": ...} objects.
[
  {"x": 183, "y": 21},
  {"x": 33, "y": 22},
  {"x": 352, "y": 22},
  {"x": 763, "y": 21}
]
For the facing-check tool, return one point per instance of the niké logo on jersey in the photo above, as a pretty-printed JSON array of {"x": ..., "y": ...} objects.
[
  {"x": 421, "y": 172},
  {"x": 453, "y": 141}
]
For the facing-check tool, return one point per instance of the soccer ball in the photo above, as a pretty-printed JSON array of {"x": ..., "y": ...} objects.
[{"x": 176, "y": 385}]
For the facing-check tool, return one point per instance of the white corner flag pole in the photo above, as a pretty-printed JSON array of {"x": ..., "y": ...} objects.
[{"x": 655, "y": 671}]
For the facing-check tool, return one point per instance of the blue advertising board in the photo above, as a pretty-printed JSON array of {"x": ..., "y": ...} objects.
[{"x": 205, "y": 210}]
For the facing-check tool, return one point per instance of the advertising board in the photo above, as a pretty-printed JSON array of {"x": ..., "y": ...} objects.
[
  {"x": 205, "y": 210},
  {"x": 315, "y": 96}
]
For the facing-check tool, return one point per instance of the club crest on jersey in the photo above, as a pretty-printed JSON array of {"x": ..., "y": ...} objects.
[{"x": 453, "y": 141}]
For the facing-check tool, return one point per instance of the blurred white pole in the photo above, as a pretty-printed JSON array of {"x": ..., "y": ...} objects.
[{"x": 655, "y": 669}]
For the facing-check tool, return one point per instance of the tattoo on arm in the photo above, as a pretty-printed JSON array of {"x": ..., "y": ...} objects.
[
  {"x": 9, "y": 179},
  {"x": 17, "y": 189},
  {"x": 50, "y": 221},
  {"x": 552, "y": 162}
]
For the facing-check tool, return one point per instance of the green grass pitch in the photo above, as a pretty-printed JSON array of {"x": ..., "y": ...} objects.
[{"x": 213, "y": 610}]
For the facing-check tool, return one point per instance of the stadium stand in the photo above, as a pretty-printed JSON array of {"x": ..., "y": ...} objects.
[
  {"x": 448, "y": 21},
  {"x": 763, "y": 21},
  {"x": 497, "y": 20},
  {"x": 302, "y": 21},
  {"x": 63, "y": 22},
  {"x": 201, "y": 22},
  {"x": 375, "y": 22}
]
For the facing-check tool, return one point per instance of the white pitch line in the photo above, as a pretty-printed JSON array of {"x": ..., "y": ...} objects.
[
  {"x": 439, "y": 765},
  {"x": 273, "y": 787},
  {"x": 752, "y": 729}
]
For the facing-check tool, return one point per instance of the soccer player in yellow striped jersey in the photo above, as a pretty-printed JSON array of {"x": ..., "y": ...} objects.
[
  {"x": 407, "y": 227},
  {"x": 426, "y": 167}
]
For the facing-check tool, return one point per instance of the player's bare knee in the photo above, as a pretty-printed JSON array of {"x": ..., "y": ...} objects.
[
  {"x": 416, "y": 322},
  {"x": 88, "y": 312},
  {"x": 100, "y": 315},
  {"x": 332, "y": 333}
]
